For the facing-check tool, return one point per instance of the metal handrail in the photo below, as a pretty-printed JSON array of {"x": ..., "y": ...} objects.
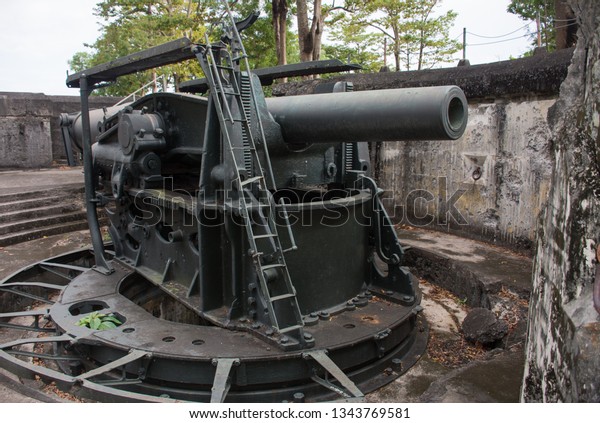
[{"x": 142, "y": 88}]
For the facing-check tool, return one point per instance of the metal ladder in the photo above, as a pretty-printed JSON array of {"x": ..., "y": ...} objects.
[{"x": 256, "y": 203}]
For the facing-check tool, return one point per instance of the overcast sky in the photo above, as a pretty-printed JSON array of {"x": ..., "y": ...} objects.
[{"x": 38, "y": 37}]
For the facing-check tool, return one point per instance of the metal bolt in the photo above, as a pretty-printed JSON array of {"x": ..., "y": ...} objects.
[
  {"x": 299, "y": 397},
  {"x": 313, "y": 314},
  {"x": 307, "y": 336},
  {"x": 269, "y": 332},
  {"x": 407, "y": 298},
  {"x": 285, "y": 339},
  {"x": 389, "y": 292},
  {"x": 255, "y": 325}
]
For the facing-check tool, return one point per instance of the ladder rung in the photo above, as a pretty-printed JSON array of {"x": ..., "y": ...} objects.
[
  {"x": 265, "y": 236},
  {"x": 242, "y": 148},
  {"x": 224, "y": 67},
  {"x": 281, "y": 297},
  {"x": 226, "y": 92},
  {"x": 272, "y": 266},
  {"x": 258, "y": 206},
  {"x": 235, "y": 59},
  {"x": 290, "y": 328},
  {"x": 251, "y": 180}
]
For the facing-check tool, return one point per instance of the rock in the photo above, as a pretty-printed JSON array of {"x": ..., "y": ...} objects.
[{"x": 481, "y": 325}]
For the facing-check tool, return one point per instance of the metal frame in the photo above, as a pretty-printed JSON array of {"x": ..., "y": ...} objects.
[{"x": 129, "y": 373}]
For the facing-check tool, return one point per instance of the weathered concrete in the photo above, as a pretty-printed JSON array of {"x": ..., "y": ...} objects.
[
  {"x": 35, "y": 204},
  {"x": 494, "y": 380},
  {"x": 490, "y": 184},
  {"x": 563, "y": 359},
  {"x": 475, "y": 272},
  {"x": 18, "y": 181},
  {"x": 480, "y": 275},
  {"x": 30, "y": 134}
]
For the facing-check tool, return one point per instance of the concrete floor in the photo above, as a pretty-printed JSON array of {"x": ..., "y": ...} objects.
[{"x": 12, "y": 181}]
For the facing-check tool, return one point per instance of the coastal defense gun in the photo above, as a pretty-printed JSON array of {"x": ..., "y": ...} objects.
[{"x": 251, "y": 255}]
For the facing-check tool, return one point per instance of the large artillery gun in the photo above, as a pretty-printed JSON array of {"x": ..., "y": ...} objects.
[{"x": 251, "y": 256}]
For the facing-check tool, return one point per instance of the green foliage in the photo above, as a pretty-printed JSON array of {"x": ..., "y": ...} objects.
[
  {"x": 355, "y": 45},
  {"x": 98, "y": 321},
  {"x": 531, "y": 10},
  {"x": 129, "y": 26},
  {"x": 418, "y": 38}
]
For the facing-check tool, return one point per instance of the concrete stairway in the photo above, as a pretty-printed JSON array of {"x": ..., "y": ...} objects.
[{"x": 41, "y": 212}]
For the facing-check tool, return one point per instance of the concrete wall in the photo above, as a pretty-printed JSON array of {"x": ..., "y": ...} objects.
[
  {"x": 491, "y": 183},
  {"x": 29, "y": 127}
]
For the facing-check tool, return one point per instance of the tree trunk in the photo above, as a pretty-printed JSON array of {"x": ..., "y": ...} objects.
[
  {"x": 317, "y": 29},
  {"x": 280, "y": 11},
  {"x": 304, "y": 34},
  {"x": 565, "y": 25},
  {"x": 563, "y": 340},
  {"x": 421, "y": 48},
  {"x": 309, "y": 37}
]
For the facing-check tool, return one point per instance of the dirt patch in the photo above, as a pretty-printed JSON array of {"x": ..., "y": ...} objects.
[{"x": 453, "y": 352}]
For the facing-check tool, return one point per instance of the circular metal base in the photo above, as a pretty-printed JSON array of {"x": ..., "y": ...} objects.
[{"x": 150, "y": 358}]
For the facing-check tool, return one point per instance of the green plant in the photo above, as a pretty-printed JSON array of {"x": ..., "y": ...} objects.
[
  {"x": 461, "y": 302},
  {"x": 99, "y": 321}
]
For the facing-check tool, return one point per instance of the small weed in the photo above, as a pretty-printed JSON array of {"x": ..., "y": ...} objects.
[{"x": 99, "y": 321}]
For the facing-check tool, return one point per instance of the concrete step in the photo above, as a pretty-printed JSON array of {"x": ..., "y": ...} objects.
[
  {"x": 19, "y": 196},
  {"x": 36, "y": 233},
  {"x": 50, "y": 210},
  {"x": 32, "y": 203},
  {"x": 39, "y": 222}
]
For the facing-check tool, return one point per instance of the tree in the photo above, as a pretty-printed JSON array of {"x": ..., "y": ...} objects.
[
  {"x": 280, "y": 12},
  {"x": 310, "y": 35},
  {"x": 133, "y": 25},
  {"x": 542, "y": 12},
  {"x": 355, "y": 45},
  {"x": 418, "y": 37},
  {"x": 129, "y": 26}
]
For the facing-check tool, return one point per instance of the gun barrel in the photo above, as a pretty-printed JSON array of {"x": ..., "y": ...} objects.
[{"x": 428, "y": 113}]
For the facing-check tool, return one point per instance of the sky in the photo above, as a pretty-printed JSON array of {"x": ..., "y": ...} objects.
[{"x": 38, "y": 37}]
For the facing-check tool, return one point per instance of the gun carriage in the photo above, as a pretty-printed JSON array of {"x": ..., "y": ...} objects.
[{"x": 251, "y": 256}]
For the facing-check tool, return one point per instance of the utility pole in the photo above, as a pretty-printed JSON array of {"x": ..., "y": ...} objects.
[
  {"x": 385, "y": 51},
  {"x": 539, "y": 31},
  {"x": 464, "y": 43}
]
